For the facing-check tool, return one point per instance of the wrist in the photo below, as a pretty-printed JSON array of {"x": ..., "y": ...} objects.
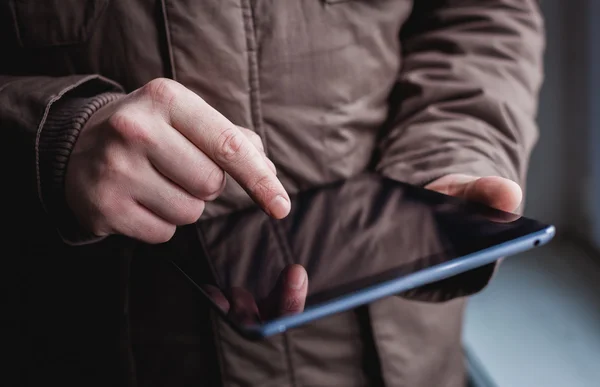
[{"x": 60, "y": 131}]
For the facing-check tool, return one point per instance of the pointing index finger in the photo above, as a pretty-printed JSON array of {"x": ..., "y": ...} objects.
[{"x": 229, "y": 148}]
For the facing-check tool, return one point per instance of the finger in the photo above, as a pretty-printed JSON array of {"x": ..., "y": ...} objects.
[
  {"x": 295, "y": 288},
  {"x": 493, "y": 191},
  {"x": 253, "y": 137},
  {"x": 243, "y": 306},
  {"x": 497, "y": 192},
  {"x": 176, "y": 158},
  {"x": 289, "y": 294},
  {"x": 139, "y": 223},
  {"x": 223, "y": 142},
  {"x": 217, "y": 297},
  {"x": 165, "y": 199},
  {"x": 233, "y": 152},
  {"x": 257, "y": 142}
]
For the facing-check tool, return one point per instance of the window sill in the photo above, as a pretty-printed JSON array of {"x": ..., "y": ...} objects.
[{"x": 538, "y": 322}]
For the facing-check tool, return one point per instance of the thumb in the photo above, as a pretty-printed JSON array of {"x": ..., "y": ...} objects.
[
  {"x": 289, "y": 294},
  {"x": 494, "y": 191}
]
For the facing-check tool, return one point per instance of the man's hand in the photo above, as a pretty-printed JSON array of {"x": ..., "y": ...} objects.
[
  {"x": 287, "y": 297},
  {"x": 497, "y": 192},
  {"x": 148, "y": 162}
]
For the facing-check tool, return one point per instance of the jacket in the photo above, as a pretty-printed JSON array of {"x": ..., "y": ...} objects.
[{"x": 410, "y": 90}]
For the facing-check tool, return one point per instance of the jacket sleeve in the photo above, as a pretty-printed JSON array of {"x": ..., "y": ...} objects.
[
  {"x": 40, "y": 119},
  {"x": 465, "y": 102},
  {"x": 466, "y": 96}
]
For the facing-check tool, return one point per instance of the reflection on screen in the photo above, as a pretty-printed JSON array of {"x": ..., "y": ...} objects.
[{"x": 346, "y": 236}]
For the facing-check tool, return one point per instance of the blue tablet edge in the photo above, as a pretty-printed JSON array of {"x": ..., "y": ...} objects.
[{"x": 398, "y": 285}]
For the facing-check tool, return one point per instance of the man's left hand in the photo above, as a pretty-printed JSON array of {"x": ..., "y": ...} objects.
[{"x": 497, "y": 192}]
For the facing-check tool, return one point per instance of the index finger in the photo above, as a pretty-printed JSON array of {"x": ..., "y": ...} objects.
[{"x": 227, "y": 146}]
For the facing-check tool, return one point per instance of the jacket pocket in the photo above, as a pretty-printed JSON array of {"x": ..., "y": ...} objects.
[{"x": 50, "y": 23}]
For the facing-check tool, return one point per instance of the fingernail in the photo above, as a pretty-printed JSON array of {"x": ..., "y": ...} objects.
[
  {"x": 279, "y": 207},
  {"x": 296, "y": 280},
  {"x": 271, "y": 165}
]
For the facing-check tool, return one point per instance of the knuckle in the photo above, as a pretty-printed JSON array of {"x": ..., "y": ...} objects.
[
  {"x": 159, "y": 234},
  {"x": 161, "y": 90},
  {"x": 214, "y": 184},
  {"x": 129, "y": 128},
  {"x": 113, "y": 169},
  {"x": 106, "y": 209},
  {"x": 254, "y": 137},
  {"x": 98, "y": 231},
  {"x": 97, "y": 224},
  {"x": 121, "y": 120},
  {"x": 106, "y": 204},
  {"x": 192, "y": 212},
  {"x": 229, "y": 148}
]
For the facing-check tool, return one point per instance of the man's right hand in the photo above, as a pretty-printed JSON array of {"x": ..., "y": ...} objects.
[{"x": 148, "y": 162}]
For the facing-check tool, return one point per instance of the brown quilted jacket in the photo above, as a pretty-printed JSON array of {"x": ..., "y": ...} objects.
[{"x": 413, "y": 90}]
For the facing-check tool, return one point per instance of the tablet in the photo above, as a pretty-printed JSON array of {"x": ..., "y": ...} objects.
[{"x": 359, "y": 240}]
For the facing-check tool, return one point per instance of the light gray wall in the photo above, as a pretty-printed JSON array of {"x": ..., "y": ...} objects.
[
  {"x": 559, "y": 179},
  {"x": 594, "y": 127},
  {"x": 546, "y": 177}
]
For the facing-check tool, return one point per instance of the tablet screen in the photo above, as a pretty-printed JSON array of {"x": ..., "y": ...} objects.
[{"x": 348, "y": 236}]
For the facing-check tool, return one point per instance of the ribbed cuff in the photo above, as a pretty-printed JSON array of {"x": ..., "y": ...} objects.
[{"x": 59, "y": 133}]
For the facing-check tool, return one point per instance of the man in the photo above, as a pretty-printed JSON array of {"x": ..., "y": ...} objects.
[{"x": 126, "y": 119}]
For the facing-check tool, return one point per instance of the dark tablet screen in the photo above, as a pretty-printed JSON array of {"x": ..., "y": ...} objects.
[{"x": 348, "y": 236}]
